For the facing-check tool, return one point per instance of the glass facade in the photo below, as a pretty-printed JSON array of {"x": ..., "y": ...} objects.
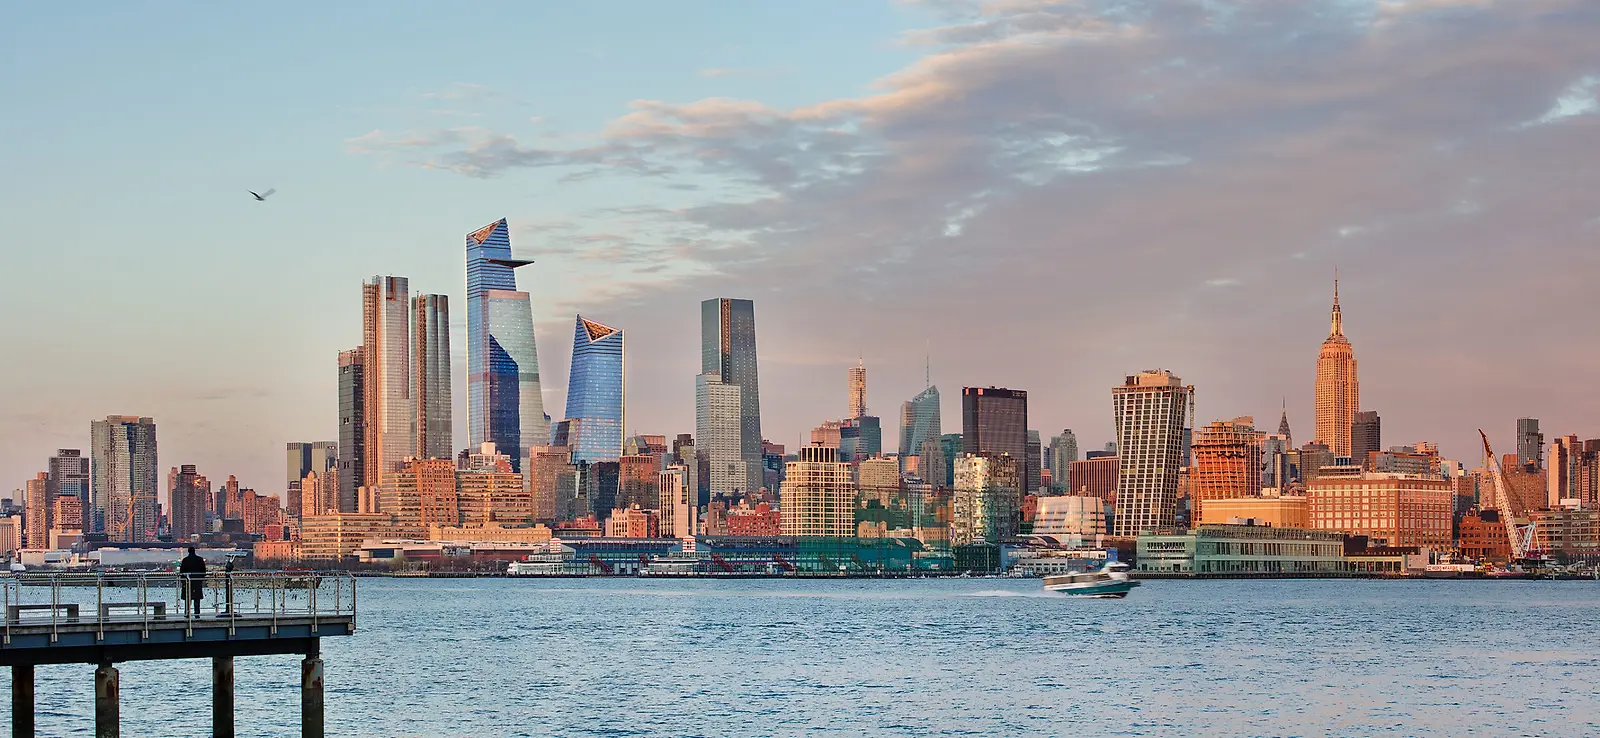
[
  {"x": 919, "y": 421},
  {"x": 504, "y": 401},
  {"x": 386, "y": 349},
  {"x": 124, "y": 480},
  {"x": 728, "y": 350},
  {"x": 352, "y": 428},
  {"x": 994, "y": 420},
  {"x": 430, "y": 376},
  {"x": 595, "y": 391}
]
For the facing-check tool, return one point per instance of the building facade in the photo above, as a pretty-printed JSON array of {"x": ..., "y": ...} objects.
[
  {"x": 1338, "y": 394},
  {"x": 1530, "y": 443},
  {"x": 1227, "y": 463},
  {"x": 676, "y": 502},
  {"x": 430, "y": 377},
  {"x": 1063, "y": 451},
  {"x": 994, "y": 420},
  {"x": 386, "y": 349},
  {"x": 818, "y": 496},
  {"x": 1068, "y": 515},
  {"x": 1151, "y": 410},
  {"x": 1396, "y": 509},
  {"x": 1288, "y": 511},
  {"x": 718, "y": 442},
  {"x": 352, "y": 427},
  {"x": 187, "y": 514},
  {"x": 1243, "y": 550},
  {"x": 125, "y": 483},
  {"x": 987, "y": 504},
  {"x": 1366, "y": 437},
  {"x": 597, "y": 391},
  {"x": 856, "y": 402},
  {"x": 1095, "y": 477},
  {"x": 919, "y": 422},
  {"x": 728, "y": 351},
  {"x": 38, "y": 512},
  {"x": 69, "y": 477},
  {"x": 505, "y": 405}
]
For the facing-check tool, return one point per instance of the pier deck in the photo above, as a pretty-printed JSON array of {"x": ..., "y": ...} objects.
[{"x": 107, "y": 618}]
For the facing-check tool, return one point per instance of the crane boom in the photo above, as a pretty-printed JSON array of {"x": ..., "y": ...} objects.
[{"x": 1521, "y": 541}]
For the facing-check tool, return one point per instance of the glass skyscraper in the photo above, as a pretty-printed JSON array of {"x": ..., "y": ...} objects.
[
  {"x": 728, "y": 360},
  {"x": 122, "y": 460},
  {"x": 430, "y": 376},
  {"x": 504, "y": 404},
  {"x": 386, "y": 351},
  {"x": 919, "y": 421},
  {"x": 596, "y": 391},
  {"x": 352, "y": 429}
]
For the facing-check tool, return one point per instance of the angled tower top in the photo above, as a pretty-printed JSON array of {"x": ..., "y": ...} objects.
[
  {"x": 595, "y": 331},
  {"x": 482, "y": 234}
]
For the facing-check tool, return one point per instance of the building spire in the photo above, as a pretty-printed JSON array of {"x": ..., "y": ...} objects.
[
  {"x": 1283, "y": 421},
  {"x": 1337, "y": 327}
]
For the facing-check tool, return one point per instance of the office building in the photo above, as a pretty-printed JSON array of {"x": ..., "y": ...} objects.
[
  {"x": 1227, "y": 463},
  {"x": 1288, "y": 511},
  {"x": 860, "y": 438},
  {"x": 504, "y": 401},
  {"x": 1390, "y": 509},
  {"x": 596, "y": 391},
  {"x": 1068, "y": 515},
  {"x": 1035, "y": 459},
  {"x": 320, "y": 457},
  {"x": 37, "y": 511},
  {"x": 717, "y": 438},
  {"x": 637, "y": 477},
  {"x": 1564, "y": 472},
  {"x": 1151, "y": 411},
  {"x": 1243, "y": 550},
  {"x": 857, "y": 401},
  {"x": 994, "y": 420},
  {"x": 818, "y": 497},
  {"x": 1338, "y": 394},
  {"x": 187, "y": 511},
  {"x": 1366, "y": 437},
  {"x": 987, "y": 504},
  {"x": 919, "y": 422},
  {"x": 676, "y": 502},
  {"x": 1530, "y": 443},
  {"x": 430, "y": 377},
  {"x": 728, "y": 353},
  {"x": 1277, "y": 467},
  {"x": 1095, "y": 476},
  {"x": 69, "y": 477},
  {"x": 352, "y": 427},
  {"x": 386, "y": 351},
  {"x": 552, "y": 480},
  {"x": 124, "y": 482},
  {"x": 1063, "y": 451},
  {"x": 932, "y": 467}
]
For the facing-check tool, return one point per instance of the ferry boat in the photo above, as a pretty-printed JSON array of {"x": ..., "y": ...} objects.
[
  {"x": 1111, "y": 580},
  {"x": 550, "y": 564}
]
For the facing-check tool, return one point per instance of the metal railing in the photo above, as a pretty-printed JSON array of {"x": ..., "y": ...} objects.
[{"x": 120, "y": 599}]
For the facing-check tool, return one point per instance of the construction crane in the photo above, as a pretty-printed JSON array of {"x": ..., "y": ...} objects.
[{"x": 1518, "y": 534}]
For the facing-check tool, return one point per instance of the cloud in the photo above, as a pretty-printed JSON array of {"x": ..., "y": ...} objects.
[{"x": 1072, "y": 169}]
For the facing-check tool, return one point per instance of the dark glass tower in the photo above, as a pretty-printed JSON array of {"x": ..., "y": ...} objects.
[
  {"x": 994, "y": 420},
  {"x": 352, "y": 429},
  {"x": 728, "y": 352},
  {"x": 595, "y": 392}
]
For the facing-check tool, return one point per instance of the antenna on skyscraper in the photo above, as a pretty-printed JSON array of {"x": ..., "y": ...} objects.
[{"x": 927, "y": 365}]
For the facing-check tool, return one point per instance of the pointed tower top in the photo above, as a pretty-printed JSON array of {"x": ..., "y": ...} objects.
[
  {"x": 1283, "y": 420},
  {"x": 1337, "y": 323}
]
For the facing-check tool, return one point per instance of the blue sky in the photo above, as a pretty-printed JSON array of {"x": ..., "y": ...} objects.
[{"x": 1044, "y": 194}]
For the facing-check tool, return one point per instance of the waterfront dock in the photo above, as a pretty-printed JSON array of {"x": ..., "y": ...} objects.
[{"x": 107, "y": 618}]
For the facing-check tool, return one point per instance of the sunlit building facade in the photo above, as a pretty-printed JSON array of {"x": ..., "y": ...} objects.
[
  {"x": 818, "y": 496},
  {"x": 1397, "y": 509},
  {"x": 1227, "y": 463},
  {"x": 919, "y": 421},
  {"x": 352, "y": 427},
  {"x": 504, "y": 401},
  {"x": 1151, "y": 411},
  {"x": 596, "y": 391},
  {"x": 1338, "y": 394},
  {"x": 386, "y": 348},
  {"x": 124, "y": 480},
  {"x": 728, "y": 358},
  {"x": 987, "y": 504}
]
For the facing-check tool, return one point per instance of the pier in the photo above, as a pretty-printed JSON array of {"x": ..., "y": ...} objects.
[{"x": 103, "y": 619}]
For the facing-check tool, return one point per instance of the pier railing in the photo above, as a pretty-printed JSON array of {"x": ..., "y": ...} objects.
[{"x": 73, "y": 599}]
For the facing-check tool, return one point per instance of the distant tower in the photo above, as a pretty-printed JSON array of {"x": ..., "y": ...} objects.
[
  {"x": 728, "y": 371},
  {"x": 1151, "y": 411},
  {"x": 858, "y": 390},
  {"x": 1366, "y": 436},
  {"x": 1530, "y": 443},
  {"x": 505, "y": 403},
  {"x": 386, "y": 348},
  {"x": 430, "y": 377},
  {"x": 596, "y": 395},
  {"x": 352, "y": 430},
  {"x": 1337, "y": 392},
  {"x": 1063, "y": 451},
  {"x": 124, "y": 480},
  {"x": 994, "y": 420},
  {"x": 1283, "y": 425},
  {"x": 1227, "y": 463}
]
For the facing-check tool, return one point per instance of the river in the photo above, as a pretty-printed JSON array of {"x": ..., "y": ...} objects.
[{"x": 947, "y": 657}]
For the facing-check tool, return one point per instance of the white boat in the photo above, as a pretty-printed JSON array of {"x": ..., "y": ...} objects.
[{"x": 1111, "y": 580}]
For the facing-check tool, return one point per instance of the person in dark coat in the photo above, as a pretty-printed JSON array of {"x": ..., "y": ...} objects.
[{"x": 193, "y": 571}]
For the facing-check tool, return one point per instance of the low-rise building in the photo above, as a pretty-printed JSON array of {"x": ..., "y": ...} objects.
[
  {"x": 1278, "y": 512},
  {"x": 1567, "y": 534},
  {"x": 334, "y": 537},
  {"x": 1389, "y": 509},
  {"x": 1481, "y": 536},
  {"x": 1243, "y": 550},
  {"x": 1070, "y": 516}
]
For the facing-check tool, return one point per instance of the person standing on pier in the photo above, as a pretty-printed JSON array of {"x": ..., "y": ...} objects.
[{"x": 193, "y": 571}]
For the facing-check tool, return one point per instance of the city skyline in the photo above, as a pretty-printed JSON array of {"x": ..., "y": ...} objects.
[{"x": 1230, "y": 307}]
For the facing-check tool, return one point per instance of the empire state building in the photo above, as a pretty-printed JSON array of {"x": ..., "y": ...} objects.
[{"x": 1338, "y": 394}]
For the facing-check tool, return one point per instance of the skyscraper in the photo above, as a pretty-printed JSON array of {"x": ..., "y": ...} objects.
[
  {"x": 37, "y": 512},
  {"x": 994, "y": 420},
  {"x": 919, "y": 422},
  {"x": 1530, "y": 443},
  {"x": 69, "y": 477},
  {"x": 188, "y": 514},
  {"x": 124, "y": 484},
  {"x": 717, "y": 440},
  {"x": 505, "y": 405},
  {"x": 987, "y": 504},
  {"x": 596, "y": 391},
  {"x": 386, "y": 351},
  {"x": 818, "y": 496},
  {"x": 1366, "y": 437},
  {"x": 1151, "y": 412},
  {"x": 430, "y": 377},
  {"x": 1227, "y": 463},
  {"x": 858, "y": 390},
  {"x": 1338, "y": 393},
  {"x": 728, "y": 354},
  {"x": 1063, "y": 451},
  {"x": 302, "y": 458},
  {"x": 1035, "y": 459},
  {"x": 352, "y": 429}
]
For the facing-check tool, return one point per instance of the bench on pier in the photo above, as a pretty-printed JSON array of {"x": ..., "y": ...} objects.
[
  {"x": 157, "y": 609},
  {"x": 14, "y": 612}
]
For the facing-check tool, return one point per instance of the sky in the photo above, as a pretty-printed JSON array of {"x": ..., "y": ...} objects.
[{"x": 1038, "y": 194}]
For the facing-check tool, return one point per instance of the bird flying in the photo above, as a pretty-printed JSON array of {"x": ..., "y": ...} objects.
[{"x": 263, "y": 196}]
